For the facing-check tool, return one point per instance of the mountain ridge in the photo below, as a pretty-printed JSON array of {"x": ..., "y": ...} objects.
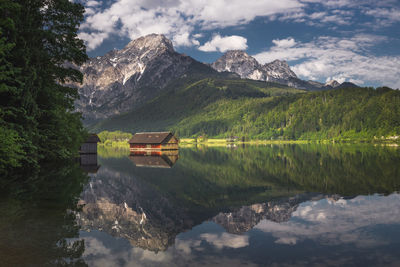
[{"x": 123, "y": 80}]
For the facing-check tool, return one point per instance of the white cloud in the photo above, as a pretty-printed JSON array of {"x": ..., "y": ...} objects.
[
  {"x": 344, "y": 59},
  {"x": 93, "y": 40},
  {"x": 384, "y": 16},
  {"x": 176, "y": 19},
  {"x": 184, "y": 39},
  {"x": 92, "y": 3},
  {"x": 284, "y": 43},
  {"x": 225, "y": 43}
]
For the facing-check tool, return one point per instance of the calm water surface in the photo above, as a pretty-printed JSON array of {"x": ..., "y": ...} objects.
[{"x": 289, "y": 205}]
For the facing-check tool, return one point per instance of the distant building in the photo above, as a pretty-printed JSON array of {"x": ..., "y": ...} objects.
[
  {"x": 153, "y": 141},
  {"x": 90, "y": 145}
]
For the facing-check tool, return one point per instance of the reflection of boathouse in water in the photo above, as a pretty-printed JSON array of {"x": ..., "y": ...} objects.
[
  {"x": 155, "y": 159},
  {"x": 154, "y": 149},
  {"x": 153, "y": 141},
  {"x": 88, "y": 154}
]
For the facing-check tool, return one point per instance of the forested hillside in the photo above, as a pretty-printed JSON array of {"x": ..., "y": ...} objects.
[
  {"x": 186, "y": 98},
  {"x": 219, "y": 107},
  {"x": 360, "y": 113}
]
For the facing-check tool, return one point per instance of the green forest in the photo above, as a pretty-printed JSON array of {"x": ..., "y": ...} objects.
[
  {"x": 223, "y": 107},
  {"x": 37, "y": 122}
]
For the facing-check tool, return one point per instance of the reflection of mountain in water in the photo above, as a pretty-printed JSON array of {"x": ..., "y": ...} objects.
[
  {"x": 245, "y": 218},
  {"x": 155, "y": 159},
  {"x": 150, "y": 206},
  {"x": 123, "y": 206}
]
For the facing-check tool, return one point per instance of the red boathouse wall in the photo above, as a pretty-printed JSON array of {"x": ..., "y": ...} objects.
[{"x": 153, "y": 146}]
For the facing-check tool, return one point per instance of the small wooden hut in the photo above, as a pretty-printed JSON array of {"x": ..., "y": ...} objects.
[
  {"x": 153, "y": 141},
  {"x": 90, "y": 145}
]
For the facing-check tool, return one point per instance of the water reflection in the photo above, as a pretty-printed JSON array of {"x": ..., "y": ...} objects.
[
  {"x": 362, "y": 231},
  {"x": 88, "y": 163},
  {"x": 255, "y": 206},
  {"x": 155, "y": 159},
  {"x": 230, "y": 206},
  {"x": 37, "y": 218}
]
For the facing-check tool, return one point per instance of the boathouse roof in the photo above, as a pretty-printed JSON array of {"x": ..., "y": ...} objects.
[{"x": 151, "y": 138}]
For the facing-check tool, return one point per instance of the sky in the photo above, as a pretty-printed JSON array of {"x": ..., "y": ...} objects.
[{"x": 346, "y": 40}]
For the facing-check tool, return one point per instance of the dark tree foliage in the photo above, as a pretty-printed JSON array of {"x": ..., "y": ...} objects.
[{"x": 38, "y": 43}]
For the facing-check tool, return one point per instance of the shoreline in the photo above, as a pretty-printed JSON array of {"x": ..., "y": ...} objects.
[{"x": 214, "y": 142}]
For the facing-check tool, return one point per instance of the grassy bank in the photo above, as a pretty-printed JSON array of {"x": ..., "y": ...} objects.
[{"x": 119, "y": 139}]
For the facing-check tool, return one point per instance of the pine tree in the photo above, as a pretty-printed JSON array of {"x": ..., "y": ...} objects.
[{"x": 39, "y": 48}]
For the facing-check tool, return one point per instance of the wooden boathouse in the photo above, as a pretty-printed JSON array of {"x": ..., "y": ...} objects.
[
  {"x": 153, "y": 141},
  {"x": 90, "y": 145}
]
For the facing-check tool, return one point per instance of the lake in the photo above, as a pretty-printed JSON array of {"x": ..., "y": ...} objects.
[{"x": 291, "y": 205}]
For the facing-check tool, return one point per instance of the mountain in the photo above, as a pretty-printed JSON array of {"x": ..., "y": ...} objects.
[
  {"x": 346, "y": 85},
  {"x": 123, "y": 79},
  {"x": 332, "y": 83},
  {"x": 247, "y": 67}
]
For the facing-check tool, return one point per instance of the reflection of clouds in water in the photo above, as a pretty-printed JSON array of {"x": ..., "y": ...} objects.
[
  {"x": 336, "y": 222},
  {"x": 226, "y": 240},
  {"x": 286, "y": 241},
  {"x": 182, "y": 254},
  {"x": 97, "y": 254},
  {"x": 95, "y": 247},
  {"x": 326, "y": 222},
  {"x": 186, "y": 246}
]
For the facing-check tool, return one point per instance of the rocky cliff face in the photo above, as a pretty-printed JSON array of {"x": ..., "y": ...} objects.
[
  {"x": 247, "y": 67},
  {"x": 123, "y": 79}
]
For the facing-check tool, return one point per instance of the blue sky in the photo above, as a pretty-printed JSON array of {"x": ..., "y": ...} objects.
[{"x": 346, "y": 40}]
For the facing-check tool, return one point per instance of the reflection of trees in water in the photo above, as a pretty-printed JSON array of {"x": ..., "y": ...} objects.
[
  {"x": 37, "y": 219},
  {"x": 223, "y": 185},
  {"x": 334, "y": 169}
]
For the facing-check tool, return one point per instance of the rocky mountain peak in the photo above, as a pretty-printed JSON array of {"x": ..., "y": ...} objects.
[
  {"x": 114, "y": 83},
  {"x": 249, "y": 68},
  {"x": 279, "y": 64},
  {"x": 332, "y": 83},
  {"x": 239, "y": 62},
  {"x": 150, "y": 42},
  {"x": 237, "y": 55},
  {"x": 279, "y": 69}
]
